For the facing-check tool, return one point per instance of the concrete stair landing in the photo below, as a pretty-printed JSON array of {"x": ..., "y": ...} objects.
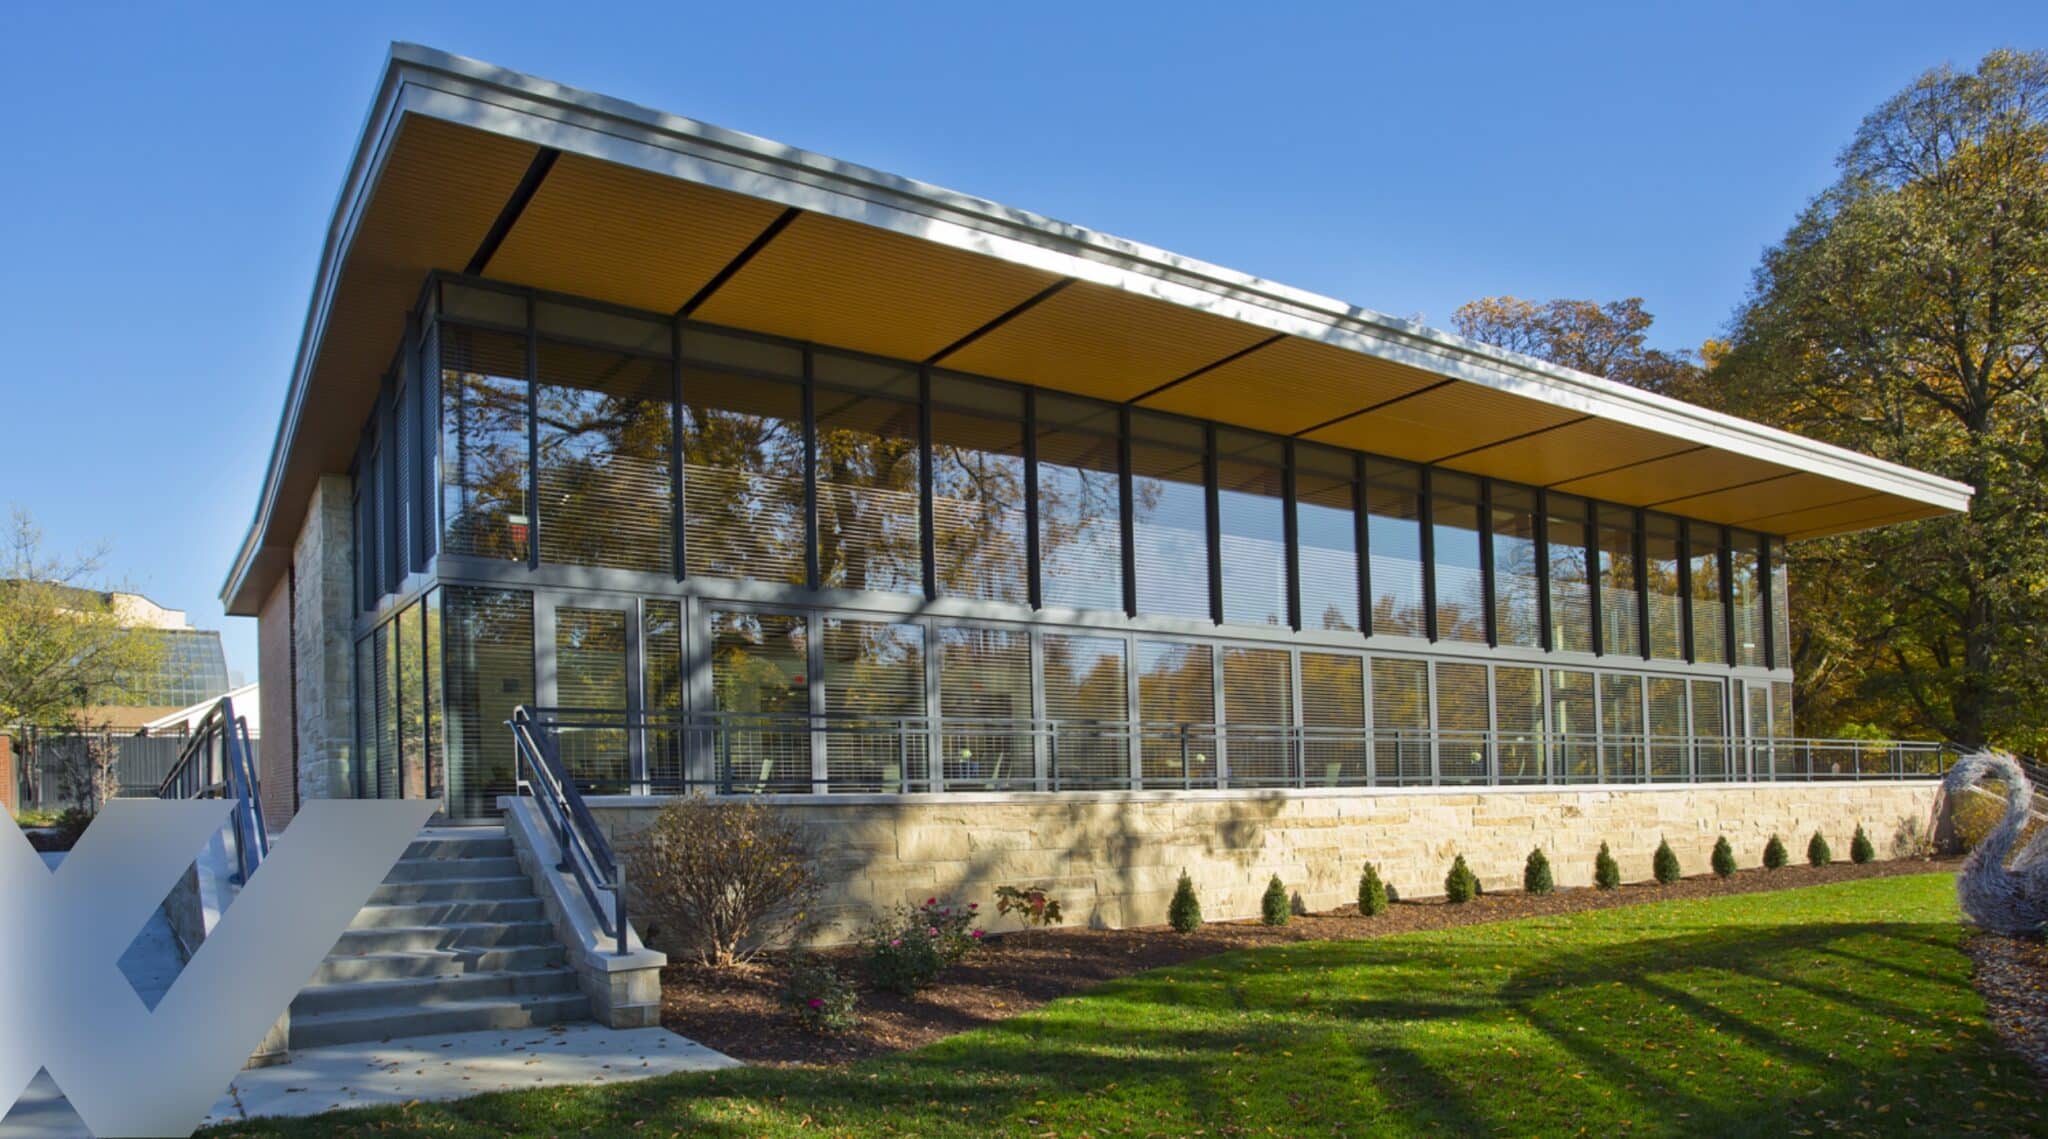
[{"x": 454, "y": 941}]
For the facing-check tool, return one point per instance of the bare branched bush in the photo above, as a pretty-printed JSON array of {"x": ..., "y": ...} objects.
[{"x": 721, "y": 880}]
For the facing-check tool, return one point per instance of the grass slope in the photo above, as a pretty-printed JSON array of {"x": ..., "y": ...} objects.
[{"x": 1843, "y": 1008}]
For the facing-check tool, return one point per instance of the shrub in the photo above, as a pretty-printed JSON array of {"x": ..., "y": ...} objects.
[
  {"x": 1774, "y": 854},
  {"x": 1910, "y": 839},
  {"x": 819, "y": 998},
  {"x": 1536, "y": 877},
  {"x": 1606, "y": 871},
  {"x": 1664, "y": 864},
  {"x": 721, "y": 880},
  {"x": 1724, "y": 858},
  {"x": 1817, "y": 852},
  {"x": 1372, "y": 893},
  {"x": 1393, "y": 894},
  {"x": 1032, "y": 903},
  {"x": 58, "y": 831},
  {"x": 1184, "y": 913},
  {"x": 1860, "y": 848},
  {"x": 1460, "y": 885},
  {"x": 1275, "y": 907},
  {"x": 905, "y": 952}
]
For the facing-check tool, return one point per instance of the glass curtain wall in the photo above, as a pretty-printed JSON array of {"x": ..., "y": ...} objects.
[
  {"x": 483, "y": 446},
  {"x": 761, "y": 702},
  {"x": 1518, "y": 723},
  {"x": 1393, "y": 508},
  {"x": 1252, "y": 528},
  {"x": 1170, "y": 516},
  {"x": 1620, "y": 606},
  {"x": 866, "y": 455},
  {"x": 1517, "y": 569},
  {"x": 1177, "y": 707},
  {"x": 1258, "y": 713},
  {"x": 1326, "y": 537},
  {"x": 1463, "y": 710},
  {"x": 1080, "y": 520},
  {"x": 979, "y": 521},
  {"x": 985, "y": 706},
  {"x": 605, "y": 422},
  {"x": 875, "y": 706},
  {"x": 487, "y": 636},
  {"x": 1662, "y": 556},
  {"x": 1456, "y": 542},
  {"x": 1401, "y": 744},
  {"x": 1780, "y": 606},
  {"x": 1334, "y": 749},
  {"x": 743, "y": 460},
  {"x": 1088, "y": 698},
  {"x": 1709, "y": 634},
  {"x": 1746, "y": 594},
  {"x": 1571, "y": 594}
]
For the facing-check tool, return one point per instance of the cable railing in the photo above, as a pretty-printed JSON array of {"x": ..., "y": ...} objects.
[
  {"x": 586, "y": 854},
  {"x": 217, "y": 762},
  {"x": 746, "y": 753}
]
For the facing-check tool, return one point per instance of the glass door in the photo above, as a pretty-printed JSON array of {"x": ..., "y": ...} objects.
[
  {"x": 588, "y": 665},
  {"x": 1756, "y": 728}
]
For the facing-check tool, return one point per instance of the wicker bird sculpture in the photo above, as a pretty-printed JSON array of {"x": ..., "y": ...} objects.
[{"x": 2001, "y": 890}]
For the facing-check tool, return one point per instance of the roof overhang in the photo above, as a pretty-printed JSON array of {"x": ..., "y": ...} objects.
[{"x": 662, "y": 213}]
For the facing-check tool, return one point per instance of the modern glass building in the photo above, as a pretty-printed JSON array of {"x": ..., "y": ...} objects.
[{"x": 768, "y": 473}]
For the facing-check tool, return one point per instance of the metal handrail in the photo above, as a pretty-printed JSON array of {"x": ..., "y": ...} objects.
[
  {"x": 586, "y": 856},
  {"x": 736, "y": 752},
  {"x": 218, "y": 763}
]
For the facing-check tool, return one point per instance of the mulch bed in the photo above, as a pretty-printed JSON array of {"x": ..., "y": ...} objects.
[
  {"x": 2012, "y": 974},
  {"x": 736, "y": 1012}
]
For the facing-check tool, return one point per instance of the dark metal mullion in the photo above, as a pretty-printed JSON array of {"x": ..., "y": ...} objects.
[
  {"x": 1426, "y": 502},
  {"x": 1642, "y": 549},
  {"x": 1727, "y": 595},
  {"x": 1128, "y": 535},
  {"x": 677, "y": 477},
  {"x": 1290, "y": 529},
  {"x": 1590, "y": 524},
  {"x": 1543, "y": 637},
  {"x": 1212, "y": 516},
  {"x": 1686, "y": 640},
  {"x": 810, "y": 411},
  {"x": 926, "y": 485},
  {"x": 1034, "y": 580},
  {"x": 1361, "y": 537},
  {"x": 1486, "y": 583},
  {"x": 1769, "y": 599},
  {"x": 532, "y": 438}
]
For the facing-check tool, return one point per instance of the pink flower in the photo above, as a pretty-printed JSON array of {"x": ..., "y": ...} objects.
[
  {"x": 895, "y": 941},
  {"x": 976, "y": 935},
  {"x": 932, "y": 932},
  {"x": 931, "y": 901},
  {"x": 974, "y": 905},
  {"x": 817, "y": 1002}
]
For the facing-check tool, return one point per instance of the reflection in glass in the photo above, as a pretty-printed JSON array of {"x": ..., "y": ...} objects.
[
  {"x": 978, "y": 514},
  {"x": 1745, "y": 567},
  {"x": 483, "y": 445},
  {"x": 868, "y": 528},
  {"x": 1170, "y": 519},
  {"x": 1393, "y": 503},
  {"x": 1326, "y": 531},
  {"x": 1334, "y": 751},
  {"x": 1621, "y": 724},
  {"x": 1667, "y": 610},
  {"x": 1709, "y": 635},
  {"x": 760, "y": 691},
  {"x": 1518, "y": 718},
  {"x": 1620, "y": 631},
  {"x": 661, "y": 641},
  {"x": 1455, "y": 541},
  {"x": 1517, "y": 604},
  {"x": 1258, "y": 707},
  {"x": 487, "y": 636},
  {"x": 1400, "y": 720},
  {"x": 590, "y": 675},
  {"x": 875, "y": 698},
  {"x": 1571, "y": 601},
  {"x": 605, "y": 484},
  {"x": 1177, "y": 703},
  {"x": 1251, "y": 518},
  {"x": 1080, "y": 537},
  {"x": 1572, "y": 725},
  {"x": 1086, "y": 698},
  {"x": 985, "y": 699},
  {"x": 743, "y": 477},
  {"x": 1463, "y": 700}
]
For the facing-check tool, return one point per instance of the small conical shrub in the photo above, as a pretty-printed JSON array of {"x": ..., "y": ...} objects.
[
  {"x": 1274, "y": 908},
  {"x": 1184, "y": 913},
  {"x": 1606, "y": 871},
  {"x": 1860, "y": 850},
  {"x": 1817, "y": 852},
  {"x": 1393, "y": 894},
  {"x": 1774, "y": 854},
  {"x": 1724, "y": 858},
  {"x": 1460, "y": 885},
  {"x": 1536, "y": 874},
  {"x": 1664, "y": 864},
  {"x": 1372, "y": 893}
]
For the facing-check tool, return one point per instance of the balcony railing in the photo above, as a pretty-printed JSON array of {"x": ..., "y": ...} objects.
[{"x": 731, "y": 753}]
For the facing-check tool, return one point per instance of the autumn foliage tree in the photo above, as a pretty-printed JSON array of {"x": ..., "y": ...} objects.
[{"x": 1610, "y": 340}]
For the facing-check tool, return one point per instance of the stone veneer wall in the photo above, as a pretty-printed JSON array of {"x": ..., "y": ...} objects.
[
  {"x": 277, "y": 750},
  {"x": 1113, "y": 858},
  {"x": 323, "y": 616}
]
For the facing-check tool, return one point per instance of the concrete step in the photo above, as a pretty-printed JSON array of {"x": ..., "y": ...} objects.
[
  {"x": 444, "y": 913},
  {"x": 437, "y": 869},
  {"x": 420, "y": 992},
  {"x": 381, "y": 1023},
  {"x": 454, "y": 935},
  {"x": 485, "y": 844},
  {"x": 424, "y": 963},
  {"x": 451, "y": 890}
]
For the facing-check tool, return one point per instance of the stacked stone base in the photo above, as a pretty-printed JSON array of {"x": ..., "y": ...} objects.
[{"x": 1113, "y": 858}]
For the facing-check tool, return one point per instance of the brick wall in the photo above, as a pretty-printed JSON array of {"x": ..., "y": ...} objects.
[{"x": 1113, "y": 858}]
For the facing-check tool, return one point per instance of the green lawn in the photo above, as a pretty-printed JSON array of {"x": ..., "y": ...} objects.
[{"x": 1843, "y": 1008}]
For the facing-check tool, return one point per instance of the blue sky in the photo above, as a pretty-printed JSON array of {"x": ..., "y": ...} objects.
[{"x": 170, "y": 174}]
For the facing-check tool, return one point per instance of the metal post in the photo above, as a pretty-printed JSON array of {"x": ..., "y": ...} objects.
[{"x": 619, "y": 905}]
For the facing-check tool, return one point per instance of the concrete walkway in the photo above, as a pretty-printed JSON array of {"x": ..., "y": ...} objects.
[{"x": 419, "y": 1068}]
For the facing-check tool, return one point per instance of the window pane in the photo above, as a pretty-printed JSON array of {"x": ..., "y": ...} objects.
[
  {"x": 1518, "y": 718},
  {"x": 1463, "y": 703},
  {"x": 1517, "y": 610},
  {"x": 389, "y": 762},
  {"x": 760, "y": 689},
  {"x": 1667, "y": 727},
  {"x": 868, "y": 529},
  {"x": 488, "y": 640},
  {"x": 1393, "y": 503},
  {"x": 978, "y": 491},
  {"x": 1709, "y": 636},
  {"x": 483, "y": 444},
  {"x": 661, "y": 641},
  {"x": 1251, "y": 512},
  {"x": 1333, "y": 719},
  {"x": 1621, "y": 725},
  {"x": 1667, "y": 610},
  {"x": 1572, "y": 724},
  {"x": 1746, "y": 572},
  {"x": 605, "y": 425},
  {"x": 874, "y": 694},
  {"x": 1620, "y": 612},
  {"x": 1177, "y": 703},
  {"x": 1781, "y": 710},
  {"x": 1326, "y": 532},
  {"x": 436, "y": 756},
  {"x": 1080, "y": 537},
  {"x": 365, "y": 773},
  {"x": 409, "y": 630},
  {"x": 985, "y": 698},
  {"x": 1258, "y": 707},
  {"x": 1781, "y": 607},
  {"x": 1460, "y": 587},
  {"x": 1571, "y": 604},
  {"x": 590, "y": 673},
  {"x": 1710, "y": 727},
  {"x": 1400, "y": 720},
  {"x": 1087, "y": 699},
  {"x": 743, "y": 477},
  {"x": 1170, "y": 528}
]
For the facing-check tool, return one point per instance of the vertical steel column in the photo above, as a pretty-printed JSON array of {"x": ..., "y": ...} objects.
[
  {"x": 1491, "y": 618},
  {"x": 1544, "y": 638},
  {"x": 677, "y": 484},
  {"x": 1361, "y": 527},
  {"x": 533, "y": 519},
  {"x": 810, "y": 411},
  {"x": 1769, "y": 599},
  {"x": 1425, "y": 504},
  {"x": 928, "y": 541},
  {"x": 1128, "y": 533},
  {"x": 1727, "y": 595},
  {"x": 1641, "y": 542},
  {"x": 1596, "y": 615},
  {"x": 1687, "y": 645},
  {"x": 1290, "y": 530},
  {"x": 1034, "y": 580}
]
